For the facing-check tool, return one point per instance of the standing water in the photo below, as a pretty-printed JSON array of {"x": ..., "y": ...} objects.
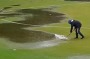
[{"x": 15, "y": 36}]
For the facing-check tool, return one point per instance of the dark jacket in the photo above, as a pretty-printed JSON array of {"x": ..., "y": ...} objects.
[{"x": 75, "y": 24}]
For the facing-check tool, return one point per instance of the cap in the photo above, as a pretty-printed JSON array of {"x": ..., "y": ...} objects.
[{"x": 70, "y": 21}]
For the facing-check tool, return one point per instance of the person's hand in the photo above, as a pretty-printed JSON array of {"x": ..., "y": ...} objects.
[{"x": 70, "y": 31}]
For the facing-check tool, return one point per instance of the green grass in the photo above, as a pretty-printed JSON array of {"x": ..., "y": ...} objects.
[{"x": 75, "y": 10}]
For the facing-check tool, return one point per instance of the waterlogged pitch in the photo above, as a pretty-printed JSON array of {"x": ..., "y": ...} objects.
[{"x": 36, "y": 29}]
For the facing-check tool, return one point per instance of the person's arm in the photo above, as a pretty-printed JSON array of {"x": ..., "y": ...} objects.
[{"x": 71, "y": 28}]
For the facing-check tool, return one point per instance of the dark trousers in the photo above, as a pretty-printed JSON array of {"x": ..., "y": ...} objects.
[{"x": 77, "y": 30}]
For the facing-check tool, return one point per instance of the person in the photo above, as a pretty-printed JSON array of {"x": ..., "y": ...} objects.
[{"x": 76, "y": 25}]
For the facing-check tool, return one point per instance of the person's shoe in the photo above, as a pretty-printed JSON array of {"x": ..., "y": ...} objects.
[
  {"x": 75, "y": 38},
  {"x": 82, "y": 37}
]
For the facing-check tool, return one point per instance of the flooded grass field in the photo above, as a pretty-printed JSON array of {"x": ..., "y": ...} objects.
[
  {"x": 34, "y": 29},
  {"x": 14, "y": 30}
]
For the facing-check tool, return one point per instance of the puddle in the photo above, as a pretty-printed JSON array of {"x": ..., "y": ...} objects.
[
  {"x": 80, "y": 57},
  {"x": 40, "y": 17},
  {"x": 57, "y": 39},
  {"x": 16, "y": 33},
  {"x": 32, "y": 45},
  {"x": 5, "y": 8},
  {"x": 16, "y": 5},
  {"x": 16, "y": 36},
  {"x": 36, "y": 16}
]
